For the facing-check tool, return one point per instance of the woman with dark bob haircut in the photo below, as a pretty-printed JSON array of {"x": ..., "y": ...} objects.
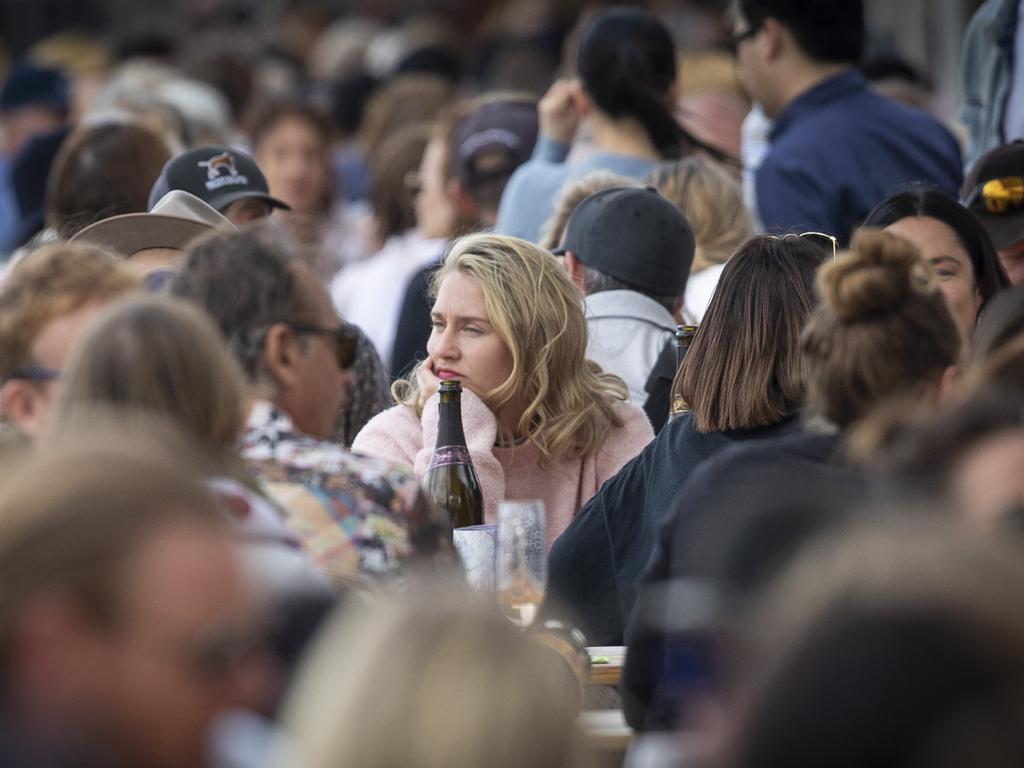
[
  {"x": 744, "y": 377},
  {"x": 954, "y": 242}
]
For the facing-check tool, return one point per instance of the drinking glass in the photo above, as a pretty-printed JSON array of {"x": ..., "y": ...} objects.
[{"x": 521, "y": 563}]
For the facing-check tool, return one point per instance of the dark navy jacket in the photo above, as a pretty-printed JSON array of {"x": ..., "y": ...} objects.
[
  {"x": 839, "y": 149},
  {"x": 594, "y": 566}
]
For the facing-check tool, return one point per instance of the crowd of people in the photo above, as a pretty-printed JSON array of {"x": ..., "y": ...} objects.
[{"x": 235, "y": 282}]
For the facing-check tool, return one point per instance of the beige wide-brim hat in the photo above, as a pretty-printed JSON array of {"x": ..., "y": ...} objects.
[{"x": 175, "y": 221}]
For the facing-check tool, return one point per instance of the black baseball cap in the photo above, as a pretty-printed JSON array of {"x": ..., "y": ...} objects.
[
  {"x": 507, "y": 127},
  {"x": 216, "y": 175},
  {"x": 994, "y": 192},
  {"x": 635, "y": 235}
]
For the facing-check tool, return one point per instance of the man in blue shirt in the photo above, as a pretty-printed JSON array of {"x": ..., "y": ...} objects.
[{"x": 836, "y": 148}]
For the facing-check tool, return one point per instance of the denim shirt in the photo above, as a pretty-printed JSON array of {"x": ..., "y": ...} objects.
[
  {"x": 986, "y": 75},
  {"x": 839, "y": 149}
]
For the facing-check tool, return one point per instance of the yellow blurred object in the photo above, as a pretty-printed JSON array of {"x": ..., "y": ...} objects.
[
  {"x": 1001, "y": 194},
  {"x": 71, "y": 52}
]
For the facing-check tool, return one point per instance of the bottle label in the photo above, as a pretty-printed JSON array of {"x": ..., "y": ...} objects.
[{"x": 450, "y": 454}]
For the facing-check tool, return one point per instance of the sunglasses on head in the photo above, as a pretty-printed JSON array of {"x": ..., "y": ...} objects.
[
  {"x": 997, "y": 195},
  {"x": 826, "y": 241},
  {"x": 346, "y": 340}
]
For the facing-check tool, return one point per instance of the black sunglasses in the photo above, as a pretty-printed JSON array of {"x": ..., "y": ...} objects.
[{"x": 346, "y": 340}]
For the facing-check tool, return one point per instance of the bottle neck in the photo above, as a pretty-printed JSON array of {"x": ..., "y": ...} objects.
[{"x": 449, "y": 424}]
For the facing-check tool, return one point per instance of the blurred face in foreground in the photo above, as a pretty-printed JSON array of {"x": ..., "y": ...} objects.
[{"x": 187, "y": 646}]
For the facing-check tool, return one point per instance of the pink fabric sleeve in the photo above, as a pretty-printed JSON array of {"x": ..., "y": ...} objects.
[
  {"x": 394, "y": 435},
  {"x": 624, "y": 443},
  {"x": 481, "y": 429}
]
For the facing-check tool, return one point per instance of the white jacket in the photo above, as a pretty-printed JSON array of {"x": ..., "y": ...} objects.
[{"x": 626, "y": 333}]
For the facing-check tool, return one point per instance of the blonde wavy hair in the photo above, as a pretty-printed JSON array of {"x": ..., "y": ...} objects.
[
  {"x": 712, "y": 202},
  {"x": 538, "y": 314}
]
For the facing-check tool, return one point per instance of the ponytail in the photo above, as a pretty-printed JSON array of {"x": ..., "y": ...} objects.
[{"x": 627, "y": 62}]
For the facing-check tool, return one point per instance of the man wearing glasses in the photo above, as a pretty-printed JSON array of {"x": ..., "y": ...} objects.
[
  {"x": 47, "y": 304},
  {"x": 994, "y": 192},
  {"x": 836, "y": 148},
  {"x": 359, "y": 518}
]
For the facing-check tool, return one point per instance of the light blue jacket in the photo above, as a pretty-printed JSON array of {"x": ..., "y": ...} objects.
[
  {"x": 530, "y": 196},
  {"x": 986, "y": 75}
]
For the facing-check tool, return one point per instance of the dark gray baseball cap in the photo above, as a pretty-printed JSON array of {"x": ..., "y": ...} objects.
[{"x": 635, "y": 235}]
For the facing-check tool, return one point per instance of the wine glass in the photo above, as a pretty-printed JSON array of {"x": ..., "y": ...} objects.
[{"x": 521, "y": 563}]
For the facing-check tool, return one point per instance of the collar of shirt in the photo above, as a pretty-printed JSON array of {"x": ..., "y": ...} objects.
[
  {"x": 628, "y": 305},
  {"x": 834, "y": 88}
]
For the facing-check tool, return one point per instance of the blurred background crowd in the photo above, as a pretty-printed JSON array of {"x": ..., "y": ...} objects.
[{"x": 731, "y": 288}]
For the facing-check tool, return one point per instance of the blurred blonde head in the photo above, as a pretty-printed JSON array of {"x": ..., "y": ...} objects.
[
  {"x": 537, "y": 313},
  {"x": 435, "y": 680},
  {"x": 712, "y": 201},
  {"x": 150, "y": 356}
]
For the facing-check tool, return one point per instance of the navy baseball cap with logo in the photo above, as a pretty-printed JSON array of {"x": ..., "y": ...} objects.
[{"x": 216, "y": 175}]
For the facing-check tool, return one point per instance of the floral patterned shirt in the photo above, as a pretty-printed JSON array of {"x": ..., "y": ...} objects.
[{"x": 359, "y": 518}]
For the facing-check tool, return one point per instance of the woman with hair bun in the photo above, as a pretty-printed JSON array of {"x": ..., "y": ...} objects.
[
  {"x": 541, "y": 421},
  {"x": 882, "y": 333},
  {"x": 626, "y": 66}
]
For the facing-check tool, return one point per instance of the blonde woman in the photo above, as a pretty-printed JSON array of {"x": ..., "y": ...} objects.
[
  {"x": 540, "y": 420},
  {"x": 432, "y": 679}
]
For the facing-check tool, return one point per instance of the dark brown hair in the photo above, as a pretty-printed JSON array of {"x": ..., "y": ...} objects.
[
  {"x": 399, "y": 155},
  {"x": 883, "y": 330},
  {"x": 407, "y": 99},
  {"x": 744, "y": 368},
  {"x": 266, "y": 118},
  {"x": 101, "y": 171}
]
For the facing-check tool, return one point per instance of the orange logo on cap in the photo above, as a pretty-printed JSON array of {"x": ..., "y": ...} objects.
[{"x": 220, "y": 165}]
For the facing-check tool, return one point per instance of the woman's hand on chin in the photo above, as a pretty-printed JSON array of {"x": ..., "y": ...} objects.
[{"x": 427, "y": 381}]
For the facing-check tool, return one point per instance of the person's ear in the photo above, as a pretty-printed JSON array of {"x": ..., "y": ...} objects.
[
  {"x": 465, "y": 206},
  {"x": 281, "y": 353},
  {"x": 775, "y": 39},
  {"x": 947, "y": 384},
  {"x": 575, "y": 269},
  {"x": 23, "y": 407},
  {"x": 677, "y": 310}
]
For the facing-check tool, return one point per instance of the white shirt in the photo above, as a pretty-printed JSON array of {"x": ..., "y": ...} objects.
[
  {"x": 626, "y": 333},
  {"x": 369, "y": 293},
  {"x": 700, "y": 287},
  {"x": 754, "y": 133}
]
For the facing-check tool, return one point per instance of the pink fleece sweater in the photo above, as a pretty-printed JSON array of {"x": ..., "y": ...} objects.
[{"x": 508, "y": 473}]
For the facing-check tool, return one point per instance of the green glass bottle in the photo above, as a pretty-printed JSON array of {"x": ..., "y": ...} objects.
[
  {"x": 684, "y": 337},
  {"x": 451, "y": 482}
]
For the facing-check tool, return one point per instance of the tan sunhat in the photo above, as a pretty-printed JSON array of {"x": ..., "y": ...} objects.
[{"x": 175, "y": 221}]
